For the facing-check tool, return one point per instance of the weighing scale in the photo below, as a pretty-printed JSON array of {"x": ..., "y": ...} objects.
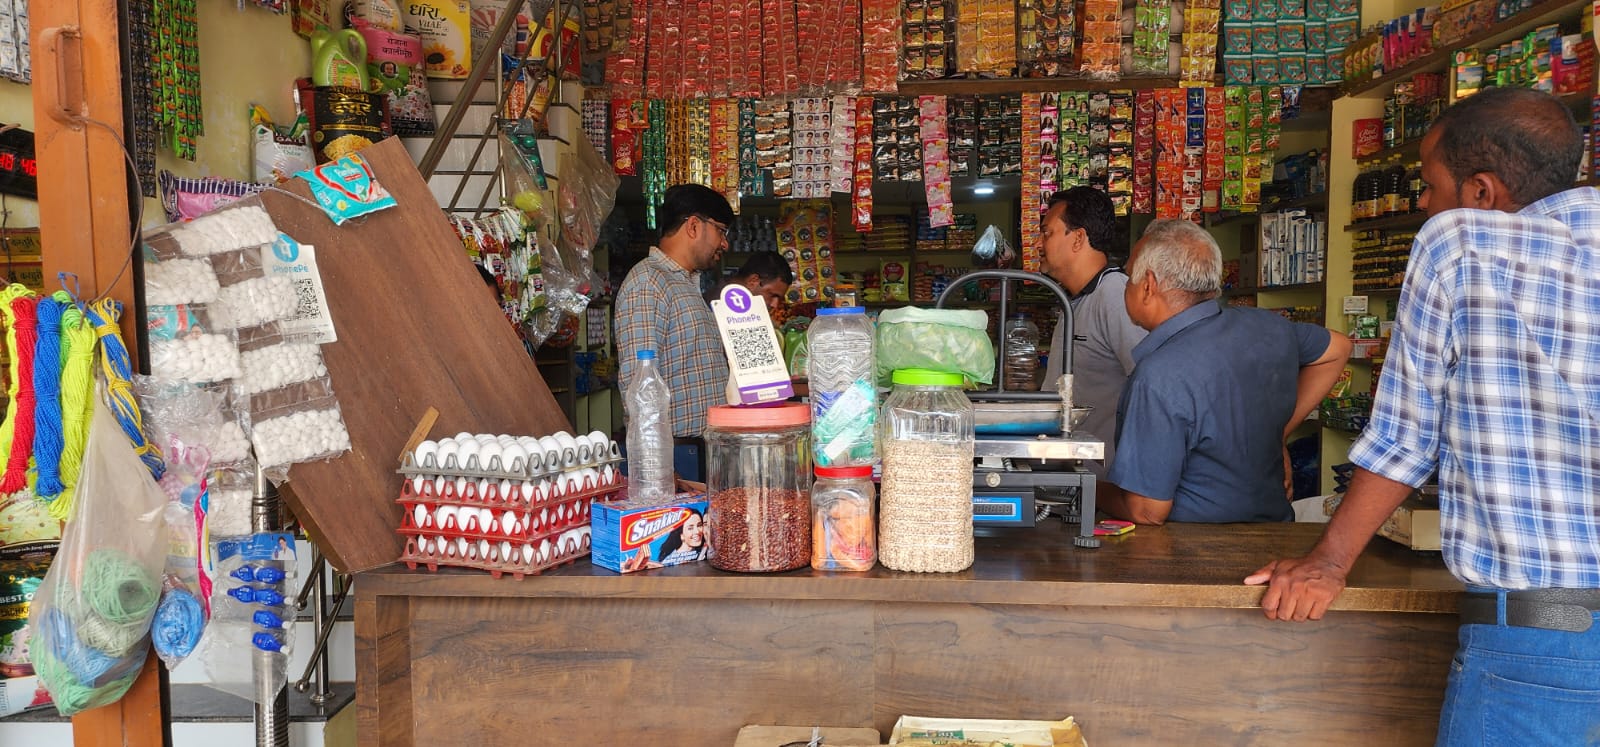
[{"x": 1028, "y": 463}]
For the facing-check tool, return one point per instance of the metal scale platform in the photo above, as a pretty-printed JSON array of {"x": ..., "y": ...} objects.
[{"x": 1028, "y": 463}]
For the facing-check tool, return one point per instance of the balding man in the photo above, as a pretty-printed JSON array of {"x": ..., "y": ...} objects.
[
  {"x": 1493, "y": 379},
  {"x": 1214, "y": 393}
]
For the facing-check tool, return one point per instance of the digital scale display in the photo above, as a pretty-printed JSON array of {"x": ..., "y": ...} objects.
[{"x": 19, "y": 171}]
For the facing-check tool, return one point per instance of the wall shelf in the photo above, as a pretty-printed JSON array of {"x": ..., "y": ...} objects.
[
  {"x": 1290, "y": 288},
  {"x": 1439, "y": 60},
  {"x": 1409, "y": 220},
  {"x": 993, "y": 86},
  {"x": 1407, "y": 151}
]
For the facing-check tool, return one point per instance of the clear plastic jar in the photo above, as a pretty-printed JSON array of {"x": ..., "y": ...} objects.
[
  {"x": 927, "y": 440},
  {"x": 844, "y": 395},
  {"x": 842, "y": 534},
  {"x": 759, "y": 485},
  {"x": 1021, "y": 368}
]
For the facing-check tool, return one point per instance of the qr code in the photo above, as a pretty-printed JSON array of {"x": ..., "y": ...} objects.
[
  {"x": 752, "y": 348},
  {"x": 307, "y": 305}
]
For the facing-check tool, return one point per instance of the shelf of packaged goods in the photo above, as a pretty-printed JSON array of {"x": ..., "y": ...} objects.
[
  {"x": 1409, "y": 220},
  {"x": 1541, "y": 13},
  {"x": 1408, "y": 151},
  {"x": 993, "y": 86},
  {"x": 1311, "y": 202},
  {"x": 1290, "y": 288}
]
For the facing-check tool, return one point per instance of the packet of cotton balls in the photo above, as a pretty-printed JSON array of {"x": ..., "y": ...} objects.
[
  {"x": 271, "y": 360},
  {"x": 199, "y": 415},
  {"x": 231, "y": 490},
  {"x": 236, "y": 226},
  {"x": 255, "y": 301},
  {"x": 180, "y": 281},
  {"x": 294, "y": 424},
  {"x": 197, "y": 357}
]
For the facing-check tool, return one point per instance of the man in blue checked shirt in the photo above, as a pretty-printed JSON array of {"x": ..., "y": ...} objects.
[{"x": 1493, "y": 380}]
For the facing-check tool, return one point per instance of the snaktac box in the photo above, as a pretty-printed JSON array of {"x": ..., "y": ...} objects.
[{"x": 632, "y": 536}]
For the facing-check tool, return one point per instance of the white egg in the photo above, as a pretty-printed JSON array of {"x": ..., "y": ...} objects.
[
  {"x": 527, "y": 553},
  {"x": 439, "y": 484},
  {"x": 527, "y": 490},
  {"x": 549, "y": 488},
  {"x": 561, "y": 514},
  {"x": 420, "y": 515},
  {"x": 483, "y": 549},
  {"x": 505, "y": 438},
  {"x": 485, "y": 518},
  {"x": 590, "y": 478},
  {"x": 425, "y": 453},
  {"x": 585, "y": 449},
  {"x": 571, "y": 483},
  {"x": 508, "y": 554},
  {"x": 513, "y": 458},
  {"x": 484, "y": 438},
  {"x": 608, "y": 475},
  {"x": 509, "y": 523},
  {"x": 544, "y": 518},
  {"x": 417, "y": 483},
  {"x": 489, "y": 455},
  {"x": 507, "y": 490},
  {"x": 460, "y": 486},
  {"x": 462, "y": 436},
  {"x": 467, "y": 455},
  {"x": 552, "y": 451},
  {"x": 444, "y": 514},
  {"x": 583, "y": 536},
  {"x": 461, "y": 547},
  {"x": 600, "y": 442},
  {"x": 566, "y": 440},
  {"x": 447, "y": 455},
  {"x": 546, "y": 551},
  {"x": 487, "y": 489}
]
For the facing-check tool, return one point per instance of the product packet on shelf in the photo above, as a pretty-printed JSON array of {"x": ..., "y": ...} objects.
[{"x": 632, "y": 536}]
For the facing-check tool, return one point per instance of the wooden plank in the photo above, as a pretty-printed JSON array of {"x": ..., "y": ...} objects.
[
  {"x": 383, "y": 669},
  {"x": 417, "y": 329}
]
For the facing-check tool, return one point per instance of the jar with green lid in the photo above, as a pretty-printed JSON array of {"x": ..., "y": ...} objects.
[
  {"x": 927, "y": 440},
  {"x": 759, "y": 487}
]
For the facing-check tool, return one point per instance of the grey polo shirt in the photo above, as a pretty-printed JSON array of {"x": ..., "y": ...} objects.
[{"x": 1102, "y": 357}]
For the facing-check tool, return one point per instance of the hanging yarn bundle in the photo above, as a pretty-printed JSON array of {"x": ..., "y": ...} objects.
[
  {"x": 118, "y": 370},
  {"x": 19, "y": 307},
  {"x": 89, "y": 648},
  {"x": 47, "y": 426},
  {"x": 77, "y": 403},
  {"x": 179, "y": 622}
]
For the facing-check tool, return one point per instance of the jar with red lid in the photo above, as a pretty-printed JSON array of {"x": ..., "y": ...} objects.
[
  {"x": 759, "y": 487},
  {"x": 843, "y": 534}
]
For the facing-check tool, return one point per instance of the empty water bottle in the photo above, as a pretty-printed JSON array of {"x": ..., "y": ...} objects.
[
  {"x": 1022, "y": 354},
  {"x": 649, "y": 404}
]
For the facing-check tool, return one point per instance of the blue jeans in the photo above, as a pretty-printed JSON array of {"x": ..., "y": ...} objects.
[{"x": 1523, "y": 686}]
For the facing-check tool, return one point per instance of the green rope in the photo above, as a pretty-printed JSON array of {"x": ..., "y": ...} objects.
[
  {"x": 114, "y": 603},
  {"x": 69, "y": 695}
]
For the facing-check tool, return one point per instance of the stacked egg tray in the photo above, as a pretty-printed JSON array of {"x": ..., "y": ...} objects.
[{"x": 515, "y": 518}]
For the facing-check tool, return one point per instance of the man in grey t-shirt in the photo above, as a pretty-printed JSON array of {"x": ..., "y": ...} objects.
[{"x": 1079, "y": 228}]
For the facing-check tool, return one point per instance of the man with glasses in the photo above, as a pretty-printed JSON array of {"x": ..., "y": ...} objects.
[{"x": 659, "y": 307}]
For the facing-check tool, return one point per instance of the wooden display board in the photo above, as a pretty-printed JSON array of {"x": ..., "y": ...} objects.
[{"x": 417, "y": 328}]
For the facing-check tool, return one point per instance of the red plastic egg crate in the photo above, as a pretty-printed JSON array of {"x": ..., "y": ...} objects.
[{"x": 533, "y": 545}]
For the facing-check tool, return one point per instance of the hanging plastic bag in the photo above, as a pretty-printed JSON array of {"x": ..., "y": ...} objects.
[
  {"x": 91, "y": 616},
  {"x": 956, "y": 341},
  {"x": 992, "y": 249},
  {"x": 186, "y": 587}
]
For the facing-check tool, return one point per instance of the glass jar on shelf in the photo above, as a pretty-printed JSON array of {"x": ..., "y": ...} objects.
[
  {"x": 758, "y": 485},
  {"x": 927, "y": 443},
  {"x": 843, "y": 536}
]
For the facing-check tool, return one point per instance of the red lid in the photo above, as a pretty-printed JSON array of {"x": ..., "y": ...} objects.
[
  {"x": 836, "y": 473},
  {"x": 782, "y": 415}
]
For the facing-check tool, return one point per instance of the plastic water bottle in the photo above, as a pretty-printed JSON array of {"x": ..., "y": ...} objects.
[
  {"x": 844, "y": 396},
  {"x": 1022, "y": 354},
  {"x": 649, "y": 404}
]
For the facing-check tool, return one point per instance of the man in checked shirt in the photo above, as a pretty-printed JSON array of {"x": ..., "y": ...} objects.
[
  {"x": 659, "y": 307},
  {"x": 1493, "y": 380}
]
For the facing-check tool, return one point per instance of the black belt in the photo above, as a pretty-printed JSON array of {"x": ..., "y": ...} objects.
[{"x": 1571, "y": 610}]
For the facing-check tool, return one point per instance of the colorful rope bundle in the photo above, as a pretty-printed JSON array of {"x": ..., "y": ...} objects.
[
  {"x": 47, "y": 425},
  {"x": 16, "y": 434},
  {"x": 113, "y": 604},
  {"x": 179, "y": 622},
  {"x": 77, "y": 401},
  {"x": 118, "y": 370}
]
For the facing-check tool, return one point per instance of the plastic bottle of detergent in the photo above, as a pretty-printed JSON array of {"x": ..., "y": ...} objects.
[{"x": 339, "y": 59}]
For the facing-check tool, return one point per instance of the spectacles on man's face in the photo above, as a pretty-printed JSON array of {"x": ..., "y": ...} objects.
[{"x": 722, "y": 231}]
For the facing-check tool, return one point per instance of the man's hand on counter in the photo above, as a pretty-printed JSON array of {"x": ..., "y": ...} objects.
[{"x": 1299, "y": 589}]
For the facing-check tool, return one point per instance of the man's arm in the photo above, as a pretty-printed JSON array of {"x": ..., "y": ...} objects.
[
  {"x": 1301, "y": 589},
  {"x": 1129, "y": 506},
  {"x": 1317, "y": 378}
]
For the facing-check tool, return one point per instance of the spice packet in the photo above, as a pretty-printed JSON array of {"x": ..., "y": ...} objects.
[{"x": 347, "y": 189}]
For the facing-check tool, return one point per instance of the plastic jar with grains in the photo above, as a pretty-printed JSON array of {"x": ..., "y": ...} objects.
[
  {"x": 927, "y": 443},
  {"x": 842, "y": 533},
  {"x": 759, "y": 486}
]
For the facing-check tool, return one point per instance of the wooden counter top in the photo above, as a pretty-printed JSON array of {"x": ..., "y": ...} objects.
[{"x": 1178, "y": 565}]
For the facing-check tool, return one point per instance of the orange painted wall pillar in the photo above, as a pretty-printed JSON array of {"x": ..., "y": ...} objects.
[{"x": 85, "y": 226}]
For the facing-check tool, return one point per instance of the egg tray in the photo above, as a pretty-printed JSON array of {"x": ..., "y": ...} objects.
[
  {"x": 517, "y": 569},
  {"x": 519, "y": 469},
  {"x": 492, "y": 497}
]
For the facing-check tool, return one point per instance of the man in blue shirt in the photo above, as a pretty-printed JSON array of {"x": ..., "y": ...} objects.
[
  {"x": 1492, "y": 379},
  {"x": 1214, "y": 393}
]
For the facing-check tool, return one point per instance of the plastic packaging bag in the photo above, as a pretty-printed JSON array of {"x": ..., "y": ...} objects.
[
  {"x": 186, "y": 587},
  {"x": 950, "y": 340},
  {"x": 992, "y": 249},
  {"x": 252, "y": 613},
  {"x": 92, "y": 614},
  {"x": 294, "y": 424},
  {"x": 199, "y": 416},
  {"x": 796, "y": 348}
]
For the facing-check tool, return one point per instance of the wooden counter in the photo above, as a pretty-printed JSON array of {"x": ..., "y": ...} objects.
[{"x": 1151, "y": 639}]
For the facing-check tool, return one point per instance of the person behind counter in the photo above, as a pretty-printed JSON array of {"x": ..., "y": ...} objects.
[
  {"x": 766, "y": 275},
  {"x": 1493, "y": 380},
  {"x": 1079, "y": 228},
  {"x": 659, "y": 308},
  {"x": 1215, "y": 391}
]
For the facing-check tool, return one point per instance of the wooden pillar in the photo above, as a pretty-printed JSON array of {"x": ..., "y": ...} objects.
[{"x": 84, "y": 225}]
